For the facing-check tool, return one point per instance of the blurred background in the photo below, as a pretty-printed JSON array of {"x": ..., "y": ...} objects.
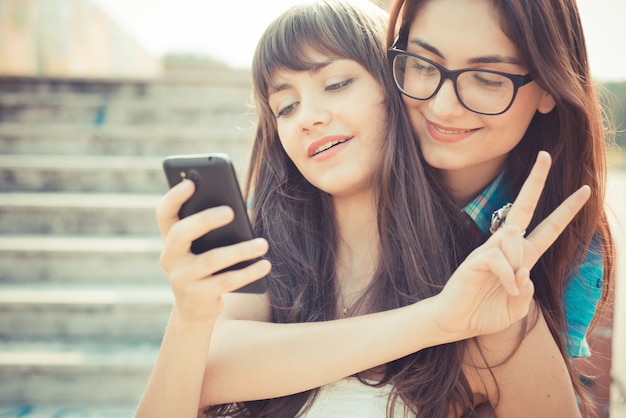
[{"x": 93, "y": 95}]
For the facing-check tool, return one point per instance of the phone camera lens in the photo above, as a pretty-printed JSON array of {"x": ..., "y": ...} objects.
[{"x": 194, "y": 176}]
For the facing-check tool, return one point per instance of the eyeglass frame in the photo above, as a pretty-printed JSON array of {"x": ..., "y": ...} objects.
[{"x": 446, "y": 74}]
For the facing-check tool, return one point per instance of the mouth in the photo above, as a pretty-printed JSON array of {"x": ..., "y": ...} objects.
[
  {"x": 448, "y": 134},
  {"x": 325, "y": 144},
  {"x": 451, "y": 131}
]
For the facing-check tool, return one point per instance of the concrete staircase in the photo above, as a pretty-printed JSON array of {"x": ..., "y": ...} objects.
[{"x": 83, "y": 300}]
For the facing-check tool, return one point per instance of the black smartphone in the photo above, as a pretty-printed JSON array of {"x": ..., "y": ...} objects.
[{"x": 216, "y": 185}]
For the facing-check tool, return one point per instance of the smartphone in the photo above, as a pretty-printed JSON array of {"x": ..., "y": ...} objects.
[{"x": 216, "y": 185}]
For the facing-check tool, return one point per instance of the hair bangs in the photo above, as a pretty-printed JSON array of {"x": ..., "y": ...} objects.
[{"x": 333, "y": 28}]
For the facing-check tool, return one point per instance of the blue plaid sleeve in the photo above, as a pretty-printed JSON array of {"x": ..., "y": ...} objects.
[{"x": 581, "y": 299}]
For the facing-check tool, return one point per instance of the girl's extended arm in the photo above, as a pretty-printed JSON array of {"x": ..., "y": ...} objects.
[
  {"x": 252, "y": 360},
  {"x": 256, "y": 360}
]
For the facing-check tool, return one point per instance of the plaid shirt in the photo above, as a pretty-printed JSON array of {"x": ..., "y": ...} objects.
[{"x": 585, "y": 285}]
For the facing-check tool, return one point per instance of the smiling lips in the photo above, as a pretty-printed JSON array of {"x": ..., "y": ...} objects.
[
  {"x": 326, "y": 143},
  {"x": 446, "y": 134}
]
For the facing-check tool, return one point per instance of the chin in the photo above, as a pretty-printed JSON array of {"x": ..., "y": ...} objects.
[{"x": 440, "y": 160}]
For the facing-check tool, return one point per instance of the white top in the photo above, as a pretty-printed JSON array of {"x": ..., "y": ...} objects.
[{"x": 350, "y": 398}]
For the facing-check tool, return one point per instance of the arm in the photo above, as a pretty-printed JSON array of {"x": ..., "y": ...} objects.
[
  {"x": 173, "y": 389},
  {"x": 581, "y": 299},
  {"x": 533, "y": 381},
  {"x": 245, "y": 355},
  {"x": 174, "y": 386}
]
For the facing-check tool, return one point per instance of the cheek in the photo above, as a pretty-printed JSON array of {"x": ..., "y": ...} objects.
[
  {"x": 409, "y": 104},
  {"x": 379, "y": 120},
  {"x": 510, "y": 127},
  {"x": 524, "y": 107},
  {"x": 413, "y": 110},
  {"x": 379, "y": 113},
  {"x": 516, "y": 123},
  {"x": 287, "y": 142}
]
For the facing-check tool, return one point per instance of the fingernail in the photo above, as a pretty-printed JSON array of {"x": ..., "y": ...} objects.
[
  {"x": 223, "y": 212},
  {"x": 263, "y": 266},
  {"x": 185, "y": 184},
  {"x": 260, "y": 244}
]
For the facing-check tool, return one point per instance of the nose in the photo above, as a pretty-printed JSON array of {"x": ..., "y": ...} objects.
[
  {"x": 446, "y": 103},
  {"x": 312, "y": 114}
]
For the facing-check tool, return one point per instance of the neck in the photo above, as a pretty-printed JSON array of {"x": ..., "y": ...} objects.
[
  {"x": 466, "y": 183},
  {"x": 357, "y": 247}
]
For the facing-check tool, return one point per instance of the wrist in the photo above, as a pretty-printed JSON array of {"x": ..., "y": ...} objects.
[
  {"x": 192, "y": 324},
  {"x": 445, "y": 327}
]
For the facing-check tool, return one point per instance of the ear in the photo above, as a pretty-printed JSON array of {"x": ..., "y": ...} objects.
[{"x": 546, "y": 103}]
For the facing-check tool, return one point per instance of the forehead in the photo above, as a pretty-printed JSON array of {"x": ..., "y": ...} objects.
[
  {"x": 312, "y": 62},
  {"x": 324, "y": 66},
  {"x": 299, "y": 57},
  {"x": 461, "y": 27}
]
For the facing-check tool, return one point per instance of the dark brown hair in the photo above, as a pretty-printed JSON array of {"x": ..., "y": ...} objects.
[
  {"x": 417, "y": 236},
  {"x": 549, "y": 38}
]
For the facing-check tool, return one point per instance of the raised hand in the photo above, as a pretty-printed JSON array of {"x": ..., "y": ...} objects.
[
  {"x": 521, "y": 213},
  {"x": 492, "y": 289},
  {"x": 196, "y": 287}
]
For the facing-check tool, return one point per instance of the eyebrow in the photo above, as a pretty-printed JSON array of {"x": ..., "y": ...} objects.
[
  {"x": 487, "y": 59},
  {"x": 315, "y": 68}
]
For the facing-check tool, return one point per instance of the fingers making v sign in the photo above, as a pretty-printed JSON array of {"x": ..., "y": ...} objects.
[{"x": 492, "y": 289}]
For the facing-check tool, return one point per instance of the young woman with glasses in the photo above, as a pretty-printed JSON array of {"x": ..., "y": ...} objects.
[
  {"x": 486, "y": 85},
  {"x": 365, "y": 315}
]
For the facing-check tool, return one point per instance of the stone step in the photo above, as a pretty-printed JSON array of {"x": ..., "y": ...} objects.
[
  {"x": 61, "y": 85},
  {"x": 159, "y": 95},
  {"x": 74, "y": 377},
  {"x": 204, "y": 108},
  {"x": 79, "y": 214},
  {"x": 232, "y": 136},
  {"x": 80, "y": 260},
  {"x": 168, "y": 85},
  {"x": 83, "y": 298},
  {"x": 57, "y": 409},
  {"x": 99, "y": 311},
  {"x": 84, "y": 174}
]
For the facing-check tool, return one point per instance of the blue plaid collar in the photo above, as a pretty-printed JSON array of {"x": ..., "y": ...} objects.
[{"x": 491, "y": 199}]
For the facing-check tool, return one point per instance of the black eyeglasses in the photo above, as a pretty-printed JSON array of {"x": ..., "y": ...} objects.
[{"x": 482, "y": 91}]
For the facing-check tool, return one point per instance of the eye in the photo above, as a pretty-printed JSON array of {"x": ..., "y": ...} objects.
[
  {"x": 340, "y": 85},
  {"x": 287, "y": 110},
  {"x": 423, "y": 67},
  {"x": 489, "y": 80}
]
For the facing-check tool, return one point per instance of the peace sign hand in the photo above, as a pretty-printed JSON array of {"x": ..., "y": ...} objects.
[
  {"x": 491, "y": 289},
  {"x": 521, "y": 213}
]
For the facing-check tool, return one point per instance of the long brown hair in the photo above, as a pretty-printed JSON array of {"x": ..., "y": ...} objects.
[
  {"x": 549, "y": 38},
  {"x": 417, "y": 238}
]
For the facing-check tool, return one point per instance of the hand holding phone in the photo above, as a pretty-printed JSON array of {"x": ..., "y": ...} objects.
[{"x": 216, "y": 185}]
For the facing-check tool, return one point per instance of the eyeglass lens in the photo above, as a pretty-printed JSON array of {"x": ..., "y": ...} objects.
[{"x": 480, "y": 91}]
